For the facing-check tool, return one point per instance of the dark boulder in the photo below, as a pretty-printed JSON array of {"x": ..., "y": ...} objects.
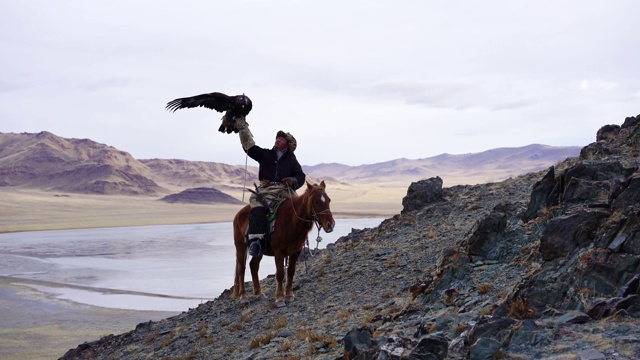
[
  {"x": 488, "y": 237},
  {"x": 545, "y": 194},
  {"x": 564, "y": 234},
  {"x": 421, "y": 193},
  {"x": 358, "y": 344},
  {"x": 607, "y": 132}
]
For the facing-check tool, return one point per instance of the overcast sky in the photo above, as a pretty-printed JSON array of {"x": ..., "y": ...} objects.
[{"x": 356, "y": 82}]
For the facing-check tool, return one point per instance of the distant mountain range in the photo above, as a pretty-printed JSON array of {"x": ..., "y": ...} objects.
[
  {"x": 502, "y": 162},
  {"x": 48, "y": 162}
]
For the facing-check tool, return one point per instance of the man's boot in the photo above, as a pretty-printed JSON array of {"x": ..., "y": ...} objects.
[{"x": 257, "y": 229}]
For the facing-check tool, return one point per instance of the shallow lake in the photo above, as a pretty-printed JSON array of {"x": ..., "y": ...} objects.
[{"x": 166, "y": 268}]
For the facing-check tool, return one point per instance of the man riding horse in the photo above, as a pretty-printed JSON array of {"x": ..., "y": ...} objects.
[{"x": 280, "y": 175}]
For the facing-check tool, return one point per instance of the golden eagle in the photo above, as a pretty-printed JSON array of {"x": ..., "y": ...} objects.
[{"x": 234, "y": 106}]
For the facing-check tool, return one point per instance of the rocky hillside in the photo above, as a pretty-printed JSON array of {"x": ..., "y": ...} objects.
[{"x": 540, "y": 266}]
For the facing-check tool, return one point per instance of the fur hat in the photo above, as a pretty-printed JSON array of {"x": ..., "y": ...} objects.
[{"x": 293, "y": 144}]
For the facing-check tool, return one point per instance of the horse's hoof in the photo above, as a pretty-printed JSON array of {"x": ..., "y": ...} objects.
[
  {"x": 290, "y": 298},
  {"x": 281, "y": 303},
  {"x": 244, "y": 300}
]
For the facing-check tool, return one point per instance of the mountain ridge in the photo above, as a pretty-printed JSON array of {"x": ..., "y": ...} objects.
[{"x": 49, "y": 162}]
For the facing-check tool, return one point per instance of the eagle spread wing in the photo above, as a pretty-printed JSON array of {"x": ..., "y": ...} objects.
[{"x": 232, "y": 106}]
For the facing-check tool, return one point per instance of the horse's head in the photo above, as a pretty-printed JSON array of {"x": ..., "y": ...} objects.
[{"x": 319, "y": 202}]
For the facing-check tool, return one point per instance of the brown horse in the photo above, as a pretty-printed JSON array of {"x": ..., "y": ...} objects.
[{"x": 294, "y": 220}]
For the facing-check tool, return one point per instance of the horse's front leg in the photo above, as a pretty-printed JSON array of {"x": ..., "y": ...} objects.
[
  {"x": 279, "y": 279},
  {"x": 254, "y": 265},
  {"x": 291, "y": 271}
]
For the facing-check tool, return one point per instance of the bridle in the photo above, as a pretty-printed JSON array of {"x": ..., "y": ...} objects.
[
  {"x": 314, "y": 213},
  {"x": 314, "y": 219}
]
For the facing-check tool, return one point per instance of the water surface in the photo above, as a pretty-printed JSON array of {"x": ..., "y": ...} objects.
[{"x": 167, "y": 268}]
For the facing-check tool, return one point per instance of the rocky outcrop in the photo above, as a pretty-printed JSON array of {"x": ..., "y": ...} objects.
[
  {"x": 544, "y": 265},
  {"x": 421, "y": 193}
]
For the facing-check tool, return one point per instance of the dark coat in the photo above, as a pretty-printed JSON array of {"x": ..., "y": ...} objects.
[{"x": 275, "y": 170}]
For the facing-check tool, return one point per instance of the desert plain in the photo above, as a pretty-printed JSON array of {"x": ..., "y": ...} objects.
[{"x": 33, "y": 210}]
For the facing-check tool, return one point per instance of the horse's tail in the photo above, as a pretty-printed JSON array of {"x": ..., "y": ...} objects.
[{"x": 239, "y": 223}]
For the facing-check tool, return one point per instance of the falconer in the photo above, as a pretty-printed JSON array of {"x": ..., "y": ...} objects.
[{"x": 280, "y": 175}]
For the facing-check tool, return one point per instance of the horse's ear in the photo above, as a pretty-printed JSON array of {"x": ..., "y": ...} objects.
[
  {"x": 309, "y": 186},
  {"x": 322, "y": 185}
]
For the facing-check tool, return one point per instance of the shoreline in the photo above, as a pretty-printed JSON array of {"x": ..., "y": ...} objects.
[
  {"x": 55, "y": 227},
  {"x": 37, "y": 210}
]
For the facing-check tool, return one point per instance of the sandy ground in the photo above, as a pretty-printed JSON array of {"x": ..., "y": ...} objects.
[
  {"x": 29, "y": 210},
  {"x": 36, "y": 326}
]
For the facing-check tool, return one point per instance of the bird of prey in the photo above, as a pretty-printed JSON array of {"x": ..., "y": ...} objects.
[{"x": 233, "y": 106}]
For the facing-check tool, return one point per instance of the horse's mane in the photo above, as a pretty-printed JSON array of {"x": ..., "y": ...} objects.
[{"x": 306, "y": 196}]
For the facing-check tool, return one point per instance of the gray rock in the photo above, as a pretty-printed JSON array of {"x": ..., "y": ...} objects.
[{"x": 421, "y": 193}]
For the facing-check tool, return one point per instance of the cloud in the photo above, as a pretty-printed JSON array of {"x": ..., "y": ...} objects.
[
  {"x": 598, "y": 85},
  {"x": 461, "y": 94},
  {"x": 356, "y": 82}
]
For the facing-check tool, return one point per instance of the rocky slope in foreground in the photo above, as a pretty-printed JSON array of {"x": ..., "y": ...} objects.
[{"x": 545, "y": 265}]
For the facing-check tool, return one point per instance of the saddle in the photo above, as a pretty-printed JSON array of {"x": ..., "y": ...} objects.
[{"x": 271, "y": 225}]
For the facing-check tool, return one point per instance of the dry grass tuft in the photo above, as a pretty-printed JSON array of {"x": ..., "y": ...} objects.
[
  {"x": 503, "y": 294},
  {"x": 193, "y": 354},
  {"x": 286, "y": 345},
  {"x": 393, "y": 261},
  {"x": 520, "y": 308},
  {"x": 287, "y": 357},
  {"x": 203, "y": 330},
  {"x": 312, "y": 336},
  {"x": 344, "y": 315},
  {"x": 167, "y": 341},
  {"x": 149, "y": 339},
  {"x": 486, "y": 311},
  {"x": 484, "y": 288},
  {"x": 460, "y": 328},
  {"x": 280, "y": 323},
  {"x": 261, "y": 341}
]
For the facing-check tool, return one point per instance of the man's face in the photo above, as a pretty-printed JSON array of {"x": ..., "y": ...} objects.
[{"x": 281, "y": 143}]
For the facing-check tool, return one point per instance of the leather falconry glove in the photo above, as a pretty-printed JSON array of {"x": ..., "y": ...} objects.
[
  {"x": 289, "y": 182},
  {"x": 246, "y": 137}
]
